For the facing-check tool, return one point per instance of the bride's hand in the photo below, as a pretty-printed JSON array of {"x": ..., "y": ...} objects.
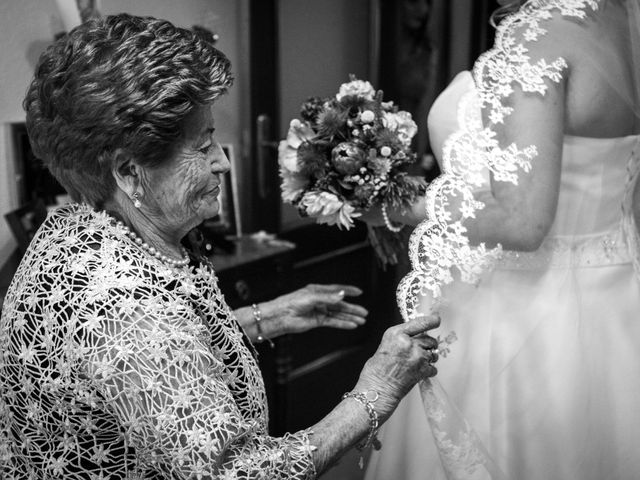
[
  {"x": 409, "y": 216},
  {"x": 405, "y": 356},
  {"x": 372, "y": 217}
]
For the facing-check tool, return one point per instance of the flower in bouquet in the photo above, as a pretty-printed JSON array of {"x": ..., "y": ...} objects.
[
  {"x": 356, "y": 88},
  {"x": 347, "y": 154},
  {"x": 347, "y": 158},
  {"x": 293, "y": 184},
  {"x": 328, "y": 208},
  {"x": 402, "y": 124}
]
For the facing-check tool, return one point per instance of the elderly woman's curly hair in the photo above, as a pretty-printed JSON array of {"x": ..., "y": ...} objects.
[{"x": 120, "y": 85}]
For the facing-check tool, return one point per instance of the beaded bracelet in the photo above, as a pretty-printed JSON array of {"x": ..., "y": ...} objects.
[
  {"x": 367, "y": 399},
  {"x": 257, "y": 316},
  {"x": 387, "y": 222}
]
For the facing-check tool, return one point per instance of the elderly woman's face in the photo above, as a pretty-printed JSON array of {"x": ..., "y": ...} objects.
[{"x": 185, "y": 189}]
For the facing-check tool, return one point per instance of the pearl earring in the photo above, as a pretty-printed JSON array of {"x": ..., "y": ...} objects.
[{"x": 136, "y": 200}]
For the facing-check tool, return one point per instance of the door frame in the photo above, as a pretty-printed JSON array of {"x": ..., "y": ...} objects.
[{"x": 264, "y": 200}]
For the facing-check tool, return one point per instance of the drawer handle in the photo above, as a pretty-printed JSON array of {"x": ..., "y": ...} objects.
[{"x": 243, "y": 290}]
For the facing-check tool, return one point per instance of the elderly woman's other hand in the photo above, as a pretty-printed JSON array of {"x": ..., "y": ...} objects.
[
  {"x": 404, "y": 357},
  {"x": 311, "y": 307}
]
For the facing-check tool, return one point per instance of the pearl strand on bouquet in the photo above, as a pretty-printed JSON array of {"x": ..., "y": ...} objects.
[
  {"x": 387, "y": 222},
  {"x": 151, "y": 250}
]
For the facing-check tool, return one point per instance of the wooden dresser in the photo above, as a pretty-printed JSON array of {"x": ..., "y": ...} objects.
[{"x": 306, "y": 374}]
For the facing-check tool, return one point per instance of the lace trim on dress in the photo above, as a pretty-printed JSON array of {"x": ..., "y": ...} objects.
[
  {"x": 439, "y": 245},
  {"x": 114, "y": 365}
]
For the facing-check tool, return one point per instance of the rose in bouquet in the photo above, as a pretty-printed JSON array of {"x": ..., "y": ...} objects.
[{"x": 347, "y": 154}]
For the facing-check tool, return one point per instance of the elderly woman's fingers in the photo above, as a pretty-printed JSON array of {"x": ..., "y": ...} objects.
[
  {"x": 433, "y": 320},
  {"x": 320, "y": 294},
  {"x": 419, "y": 325},
  {"x": 428, "y": 346},
  {"x": 336, "y": 288},
  {"x": 349, "y": 317},
  {"x": 429, "y": 371},
  {"x": 435, "y": 355},
  {"x": 340, "y": 324},
  {"x": 329, "y": 303},
  {"x": 350, "y": 290},
  {"x": 426, "y": 342},
  {"x": 430, "y": 355},
  {"x": 339, "y": 319},
  {"x": 350, "y": 309}
]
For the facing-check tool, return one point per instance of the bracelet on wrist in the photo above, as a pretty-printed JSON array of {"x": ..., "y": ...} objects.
[
  {"x": 257, "y": 317},
  {"x": 387, "y": 222},
  {"x": 367, "y": 399}
]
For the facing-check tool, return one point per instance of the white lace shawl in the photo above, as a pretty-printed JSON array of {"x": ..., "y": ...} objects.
[
  {"x": 113, "y": 365},
  {"x": 439, "y": 245}
]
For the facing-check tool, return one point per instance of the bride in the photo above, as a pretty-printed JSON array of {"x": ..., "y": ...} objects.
[{"x": 531, "y": 229}]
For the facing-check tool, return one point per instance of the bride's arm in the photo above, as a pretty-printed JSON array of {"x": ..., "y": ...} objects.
[{"x": 518, "y": 216}]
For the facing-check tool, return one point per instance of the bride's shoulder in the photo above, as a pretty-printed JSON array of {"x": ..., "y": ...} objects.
[
  {"x": 531, "y": 46},
  {"x": 548, "y": 28},
  {"x": 579, "y": 31}
]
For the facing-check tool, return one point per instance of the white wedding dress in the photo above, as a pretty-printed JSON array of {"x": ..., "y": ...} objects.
[{"x": 546, "y": 366}]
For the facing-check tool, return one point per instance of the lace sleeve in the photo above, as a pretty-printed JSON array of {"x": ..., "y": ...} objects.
[
  {"x": 170, "y": 393},
  {"x": 439, "y": 247},
  {"x": 109, "y": 368}
]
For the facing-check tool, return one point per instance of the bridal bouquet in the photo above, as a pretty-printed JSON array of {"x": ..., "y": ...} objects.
[{"x": 345, "y": 155}]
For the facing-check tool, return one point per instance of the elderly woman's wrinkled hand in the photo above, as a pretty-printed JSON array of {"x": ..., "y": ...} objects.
[
  {"x": 315, "y": 306},
  {"x": 405, "y": 356}
]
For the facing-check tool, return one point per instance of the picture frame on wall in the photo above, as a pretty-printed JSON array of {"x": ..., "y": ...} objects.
[{"x": 227, "y": 222}]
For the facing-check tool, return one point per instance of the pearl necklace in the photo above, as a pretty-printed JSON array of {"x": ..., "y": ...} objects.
[{"x": 145, "y": 246}]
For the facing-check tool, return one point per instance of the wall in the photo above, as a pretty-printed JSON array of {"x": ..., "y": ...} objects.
[
  {"x": 25, "y": 29},
  {"x": 460, "y": 41},
  {"x": 320, "y": 44},
  {"x": 28, "y": 26}
]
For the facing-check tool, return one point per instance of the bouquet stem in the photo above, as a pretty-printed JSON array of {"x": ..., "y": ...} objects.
[{"x": 388, "y": 245}]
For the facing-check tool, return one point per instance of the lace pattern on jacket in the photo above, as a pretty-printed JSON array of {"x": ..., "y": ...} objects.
[{"x": 113, "y": 365}]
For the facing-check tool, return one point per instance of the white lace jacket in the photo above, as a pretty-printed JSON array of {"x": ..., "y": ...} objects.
[{"x": 113, "y": 365}]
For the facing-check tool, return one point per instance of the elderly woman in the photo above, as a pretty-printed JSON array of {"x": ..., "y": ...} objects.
[{"x": 118, "y": 355}]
